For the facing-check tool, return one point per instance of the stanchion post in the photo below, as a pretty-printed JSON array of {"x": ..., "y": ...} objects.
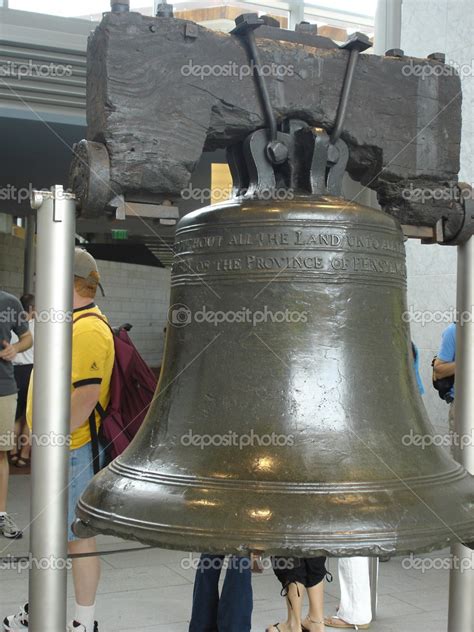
[
  {"x": 29, "y": 258},
  {"x": 388, "y": 25},
  {"x": 374, "y": 580},
  {"x": 461, "y": 582},
  {"x": 51, "y": 409}
]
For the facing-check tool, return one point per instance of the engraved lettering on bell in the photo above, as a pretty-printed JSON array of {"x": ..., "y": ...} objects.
[{"x": 340, "y": 383}]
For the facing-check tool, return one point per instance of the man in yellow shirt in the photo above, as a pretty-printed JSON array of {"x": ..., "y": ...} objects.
[{"x": 92, "y": 363}]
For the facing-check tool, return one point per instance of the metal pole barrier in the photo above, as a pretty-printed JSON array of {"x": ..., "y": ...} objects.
[
  {"x": 388, "y": 25},
  {"x": 296, "y": 13},
  {"x": 29, "y": 260},
  {"x": 461, "y": 581},
  {"x": 388, "y": 32},
  {"x": 374, "y": 581},
  {"x": 51, "y": 410}
]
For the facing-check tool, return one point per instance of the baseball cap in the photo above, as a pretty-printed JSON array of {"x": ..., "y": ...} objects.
[{"x": 84, "y": 265}]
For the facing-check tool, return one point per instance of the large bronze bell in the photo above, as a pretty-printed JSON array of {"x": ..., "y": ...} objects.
[{"x": 308, "y": 412}]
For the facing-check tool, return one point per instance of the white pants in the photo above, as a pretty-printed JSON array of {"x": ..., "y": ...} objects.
[{"x": 355, "y": 606}]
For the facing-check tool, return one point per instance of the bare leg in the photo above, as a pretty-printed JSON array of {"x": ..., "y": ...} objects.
[
  {"x": 25, "y": 445},
  {"x": 4, "y": 473},
  {"x": 314, "y": 622},
  {"x": 16, "y": 435},
  {"x": 294, "y": 603},
  {"x": 85, "y": 571}
]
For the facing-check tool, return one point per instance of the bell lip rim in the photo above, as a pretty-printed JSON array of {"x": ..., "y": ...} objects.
[
  {"x": 99, "y": 514},
  {"x": 176, "y": 539}
]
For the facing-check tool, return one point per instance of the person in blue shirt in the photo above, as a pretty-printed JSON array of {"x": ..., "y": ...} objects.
[
  {"x": 445, "y": 363},
  {"x": 445, "y": 366}
]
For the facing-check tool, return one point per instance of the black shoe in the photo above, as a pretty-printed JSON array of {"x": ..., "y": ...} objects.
[
  {"x": 75, "y": 626},
  {"x": 17, "y": 622}
]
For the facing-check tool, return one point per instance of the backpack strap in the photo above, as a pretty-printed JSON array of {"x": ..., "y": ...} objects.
[
  {"x": 94, "y": 443},
  {"x": 98, "y": 408},
  {"x": 101, "y": 411},
  {"x": 89, "y": 314}
]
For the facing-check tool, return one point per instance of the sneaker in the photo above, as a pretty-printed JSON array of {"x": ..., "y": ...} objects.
[
  {"x": 75, "y": 626},
  {"x": 8, "y": 528},
  {"x": 18, "y": 621}
]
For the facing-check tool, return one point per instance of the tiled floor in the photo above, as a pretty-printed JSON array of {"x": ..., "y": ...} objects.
[{"x": 150, "y": 591}]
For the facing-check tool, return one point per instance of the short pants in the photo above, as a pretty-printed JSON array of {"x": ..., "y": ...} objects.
[
  {"x": 81, "y": 472},
  {"x": 308, "y": 571},
  {"x": 22, "y": 378},
  {"x": 7, "y": 422}
]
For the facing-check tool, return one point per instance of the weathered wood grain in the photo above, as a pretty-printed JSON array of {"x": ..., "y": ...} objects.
[{"x": 156, "y": 117}]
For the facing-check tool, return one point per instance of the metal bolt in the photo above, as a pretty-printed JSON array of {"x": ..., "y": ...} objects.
[
  {"x": 246, "y": 22},
  {"x": 268, "y": 20},
  {"x": 277, "y": 152},
  {"x": 121, "y": 6},
  {"x": 395, "y": 52},
  {"x": 441, "y": 57},
  {"x": 164, "y": 10},
  {"x": 306, "y": 27},
  {"x": 191, "y": 31},
  {"x": 357, "y": 42}
]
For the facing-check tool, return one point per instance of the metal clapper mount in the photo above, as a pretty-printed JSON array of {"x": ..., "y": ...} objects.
[{"x": 293, "y": 156}]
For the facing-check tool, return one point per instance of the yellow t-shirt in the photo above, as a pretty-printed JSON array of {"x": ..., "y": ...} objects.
[{"x": 93, "y": 358}]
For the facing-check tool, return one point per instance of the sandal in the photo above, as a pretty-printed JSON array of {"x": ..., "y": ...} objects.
[
  {"x": 311, "y": 621},
  {"x": 22, "y": 462},
  {"x": 13, "y": 458},
  {"x": 275, "y": 625},
  {"x": 337, "y": 622}
]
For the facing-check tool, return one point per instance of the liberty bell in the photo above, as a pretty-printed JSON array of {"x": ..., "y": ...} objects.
[{"x": 287, "y": 411}]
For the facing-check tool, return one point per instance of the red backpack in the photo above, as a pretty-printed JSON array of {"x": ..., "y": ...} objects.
[{"x": 132, "y": 387}]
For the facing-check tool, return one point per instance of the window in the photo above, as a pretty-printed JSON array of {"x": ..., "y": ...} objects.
[
  {"x": 87, "y": 9},
  {"x": 345, "y": 15},
  {"x": 337, "y": 19},
  {"x": 220, "y": 15},
  {"x": 361, "y": 7}
]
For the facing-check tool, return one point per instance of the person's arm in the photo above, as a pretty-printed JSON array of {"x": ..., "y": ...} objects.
[
  {"x": 83, "y": 401},
  {"x": 9, "y": 351},
  {"x": 444, "y": 369}
]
